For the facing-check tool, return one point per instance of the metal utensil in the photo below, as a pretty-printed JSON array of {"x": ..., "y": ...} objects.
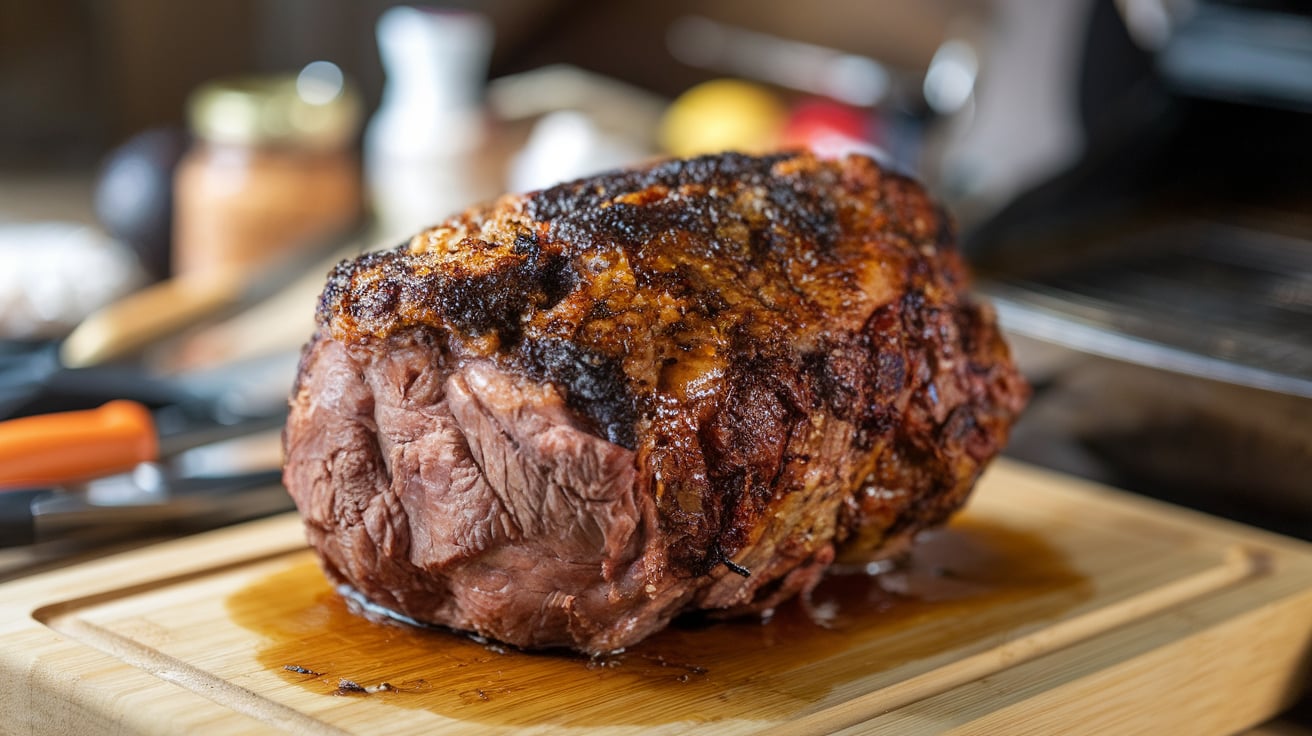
[{"x": 145, "y": 499}]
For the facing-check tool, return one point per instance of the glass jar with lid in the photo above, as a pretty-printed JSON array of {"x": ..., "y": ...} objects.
[{"x": 272, "y": 169}]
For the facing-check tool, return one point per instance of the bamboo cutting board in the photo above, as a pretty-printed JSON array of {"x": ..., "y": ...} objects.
[{"x": 1049, "y": 606}]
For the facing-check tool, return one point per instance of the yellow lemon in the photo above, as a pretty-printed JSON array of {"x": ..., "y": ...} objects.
[{"x": 723, "y": 115}]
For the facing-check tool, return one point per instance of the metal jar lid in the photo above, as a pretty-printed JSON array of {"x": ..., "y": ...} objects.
[{"x": 284, "y": 110}]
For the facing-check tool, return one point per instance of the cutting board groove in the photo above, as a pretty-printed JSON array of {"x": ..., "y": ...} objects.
[
  {"x": 1073, "y": 606},
  {"x": 62, "y": 617}
]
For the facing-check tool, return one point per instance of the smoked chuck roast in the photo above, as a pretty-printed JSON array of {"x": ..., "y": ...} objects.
[{"x": 569, "y": 416}]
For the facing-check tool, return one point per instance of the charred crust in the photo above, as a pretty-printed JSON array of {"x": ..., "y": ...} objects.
[
  {"x": 479, "y": 301},
  {"x": 729, "y": 170},
  {"x": 384, "y": 292}
]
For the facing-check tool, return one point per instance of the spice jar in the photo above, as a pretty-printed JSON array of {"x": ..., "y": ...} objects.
[{"x": 272, "y": 170}]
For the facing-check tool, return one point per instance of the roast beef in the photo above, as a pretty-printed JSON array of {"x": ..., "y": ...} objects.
[{"x": 563, "y": 419}]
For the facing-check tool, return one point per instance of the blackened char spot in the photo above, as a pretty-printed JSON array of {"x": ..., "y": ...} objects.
[
  {"x": 382, "y": 299},
  {"x": 496, "y": 299},
  {"x": 556, "y": 278},
  {"x": 587, "y": 216},
  {"x": 526, "y": 244},
  {"x": 598, "y": 227},
  {"x": 593, "y": 384},
  {"x": 859, "y": 376},
  {"x": 723, "y": 170},
  {"x": 805, "y": 211},
  {"x": 633, "y": 225},
  {"x": 481, "y": 302},
  {"x": 337, "y": 293}
]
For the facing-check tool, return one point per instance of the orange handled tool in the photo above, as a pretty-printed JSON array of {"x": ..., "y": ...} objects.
[{"x": 51, "y": 449}]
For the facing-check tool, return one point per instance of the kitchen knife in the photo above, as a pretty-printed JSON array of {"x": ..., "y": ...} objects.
[
  {"x": 64, "y": 447},
  {"x": 141, "y": 319},
  {"x": 136, "y": 501}
]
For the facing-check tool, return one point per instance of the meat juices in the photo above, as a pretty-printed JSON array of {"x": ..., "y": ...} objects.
[{"x": 565, "y": 418}]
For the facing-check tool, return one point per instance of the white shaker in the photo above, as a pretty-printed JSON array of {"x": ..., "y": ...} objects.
[{"x": 422, "y": 146}]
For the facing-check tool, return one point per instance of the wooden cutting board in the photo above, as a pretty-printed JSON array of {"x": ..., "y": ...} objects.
[{"x": 1051, "y": 605}]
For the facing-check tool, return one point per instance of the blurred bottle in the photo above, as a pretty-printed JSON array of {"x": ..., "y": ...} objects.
[
  {"x": 422, "y": 146},
  {"x": 271, "y": 169}
]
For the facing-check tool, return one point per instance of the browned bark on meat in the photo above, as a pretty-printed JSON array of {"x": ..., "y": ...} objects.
[{"x": 566, "y": 417}]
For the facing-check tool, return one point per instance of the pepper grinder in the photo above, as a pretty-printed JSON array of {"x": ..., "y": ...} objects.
[{"x": 422, "y": 146}]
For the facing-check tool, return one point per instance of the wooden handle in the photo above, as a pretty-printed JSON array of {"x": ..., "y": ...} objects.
[
  {"x": 139, "y": 319},
  {"x": 56, "y": 448}
]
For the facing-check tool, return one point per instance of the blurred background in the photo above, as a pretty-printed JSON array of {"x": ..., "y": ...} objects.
[{"x": 1131, "y": 180}]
